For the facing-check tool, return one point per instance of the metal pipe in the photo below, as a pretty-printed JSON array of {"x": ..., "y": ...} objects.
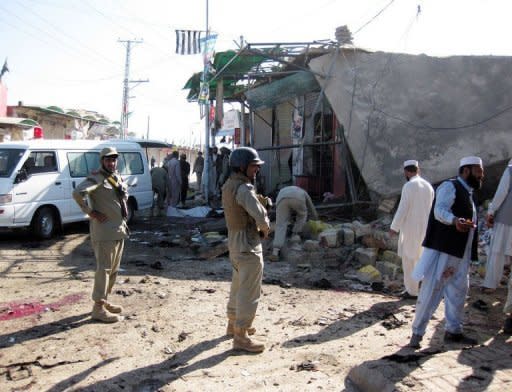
[{"x": 290, "y": 146}]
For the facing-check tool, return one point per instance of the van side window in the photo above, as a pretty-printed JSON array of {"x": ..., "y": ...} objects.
[
  {"x": 81, "y": 164},
  {"x": 130, "y": 163},
  {"x": 40, "y": 162}
]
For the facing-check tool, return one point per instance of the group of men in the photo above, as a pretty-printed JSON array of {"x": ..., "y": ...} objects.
[
  {"x": 446, "y": 223},
  {"x": 438, "y": 238},
  {"x": 170, "y": 182}
]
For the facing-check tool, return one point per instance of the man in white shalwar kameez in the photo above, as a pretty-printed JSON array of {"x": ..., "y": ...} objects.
[
  {"x": 449, "y": 246},
  {"x": 499, "y": 217},
  {"x": 411, "y": 220}
]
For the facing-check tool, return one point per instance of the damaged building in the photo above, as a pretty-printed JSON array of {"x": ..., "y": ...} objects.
[{"x": 339, "y": 121}]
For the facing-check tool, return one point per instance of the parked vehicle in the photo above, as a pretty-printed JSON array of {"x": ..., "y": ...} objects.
[{"x": 37, "y": 178}]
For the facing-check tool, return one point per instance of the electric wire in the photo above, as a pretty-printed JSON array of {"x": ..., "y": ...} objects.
[
  {"x": 64, "y": 33},
  {"x": 374, "y": 17}
]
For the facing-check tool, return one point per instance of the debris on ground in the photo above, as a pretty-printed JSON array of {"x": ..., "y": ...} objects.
[{"x": 307, "y": 365}]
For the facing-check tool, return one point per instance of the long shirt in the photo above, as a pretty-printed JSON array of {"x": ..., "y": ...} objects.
[
  {"x": 433, "y": 261},
  {"x": 411, "y": 217}
]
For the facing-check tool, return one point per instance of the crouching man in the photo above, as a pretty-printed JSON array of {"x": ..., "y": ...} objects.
[{"x": 247, "y": 223}]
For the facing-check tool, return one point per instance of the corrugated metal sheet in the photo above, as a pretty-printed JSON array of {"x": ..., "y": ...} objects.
[{"x": 281, "y": 90}]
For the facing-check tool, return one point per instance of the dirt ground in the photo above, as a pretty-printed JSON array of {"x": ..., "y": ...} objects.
[{"x": 172, "y": 337}]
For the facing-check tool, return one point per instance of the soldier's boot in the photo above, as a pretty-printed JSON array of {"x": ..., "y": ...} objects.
[
  {"x": 230, "y": 330},
  {"x": 113, "y": 308},
  {"x": 101, "y": 314},
  {"x": 241, "y": 341}
]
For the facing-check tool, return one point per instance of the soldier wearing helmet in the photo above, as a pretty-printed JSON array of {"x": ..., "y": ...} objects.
[{"x": 247, "y": 223}]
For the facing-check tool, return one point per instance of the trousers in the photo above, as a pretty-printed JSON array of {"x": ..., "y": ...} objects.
[
  {"x": 285, "y": 207},
  {"x": 108, "y": 258},
  {"x": 433, "y": 288},
  {"x": 411, "y": 285},
  {"x": 245, "y": 289}
]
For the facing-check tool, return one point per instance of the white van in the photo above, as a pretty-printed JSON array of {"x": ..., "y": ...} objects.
[{"x": 37, "y": 178}]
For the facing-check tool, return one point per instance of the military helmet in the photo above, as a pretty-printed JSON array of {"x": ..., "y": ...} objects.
[
  {"x": 243, "y": 156},
  {"x": 108, "y": 152}
]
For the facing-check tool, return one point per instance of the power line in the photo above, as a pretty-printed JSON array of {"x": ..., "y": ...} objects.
[
  {"x": 425, "y": 126},
  {"x": 374, "y": 17},
  {"x": 64, "y": 33},
  {"x": 28, "y": 32}
]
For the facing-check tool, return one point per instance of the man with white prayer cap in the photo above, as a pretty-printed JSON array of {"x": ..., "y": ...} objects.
[
  {"x": 449, "y": 246},
  {"x": 499, "y": 217},
  {"x": 410, "y": 221}
]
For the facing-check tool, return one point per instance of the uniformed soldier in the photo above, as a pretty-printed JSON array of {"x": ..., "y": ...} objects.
[
  {"x": 103, "y": 196},
  {"x": 159, "y": 181},
  {"x": 247, "y": 223}
]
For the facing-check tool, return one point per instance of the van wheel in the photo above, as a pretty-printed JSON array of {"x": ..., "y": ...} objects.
[
  {"x": 43, "y": 224},
  {"x": 131, "y": 211}
]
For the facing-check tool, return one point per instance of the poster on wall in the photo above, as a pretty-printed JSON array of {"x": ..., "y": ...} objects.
[{"x": 297, "y": 138}]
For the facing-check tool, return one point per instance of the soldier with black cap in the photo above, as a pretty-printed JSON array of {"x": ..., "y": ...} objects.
[
  {"x": 248, "y": 223},
  {"x": 103, "y": 196}
]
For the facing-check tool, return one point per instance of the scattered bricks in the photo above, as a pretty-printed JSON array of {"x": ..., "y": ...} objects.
[
  {"x": 390, "y": 242},
  {"x": 368, "y": 274},
  {"x": 330, "y": 238},
  {"x": 391, "y": 257},
  {"x": 372, "y": 242},
  {"x": 348, "y": 235},
  {"x": 294, "y": 253},
  {"x": 311, "y": 245},
  {"x": 387, "y": 268},
  {"x": 366, "y": 256},
  {"x": 333, "y": 257},
  {"x": 315, "y": 257},
  {"x": 386, "y": 205},
  {"x": 361, "y": 229}
]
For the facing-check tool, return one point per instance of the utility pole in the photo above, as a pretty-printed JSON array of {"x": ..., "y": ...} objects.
[
  {"x": 207, "y": 163},
  {"x": 126, "y": 86}
]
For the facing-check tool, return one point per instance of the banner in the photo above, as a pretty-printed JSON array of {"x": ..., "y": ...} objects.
[
  {"x": 208, "y": 47},
  {"x": 204, "y": 93}
]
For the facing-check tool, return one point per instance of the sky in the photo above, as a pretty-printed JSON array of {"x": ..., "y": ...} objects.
[{"x": 67, "y": 52}]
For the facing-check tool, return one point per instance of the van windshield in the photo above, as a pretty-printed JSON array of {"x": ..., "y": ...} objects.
[{"x": 9, "y": 158}]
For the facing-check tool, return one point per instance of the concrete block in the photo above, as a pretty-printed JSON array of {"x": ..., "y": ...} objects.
[
  {"x": 391, "y": 257},
  {"x": 371, "y": 242},
  {"x": 368, "y": 274},
  {"x": 330, "y": 238},
  {"x": 387, "y": 269},
  {"x": 361, "y": 229},
  {"x": 348, "y": 235},
  {"x": 311, "y": 245},
  {"x": 366, "y": 256}
]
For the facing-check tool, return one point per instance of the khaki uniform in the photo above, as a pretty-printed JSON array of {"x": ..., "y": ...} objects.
[
  {"x": 97, "y": 193},
  {"x": 159, "y": 183},
  {"x": 244, "y": 216},
  {"x": 292, "y": 199}
]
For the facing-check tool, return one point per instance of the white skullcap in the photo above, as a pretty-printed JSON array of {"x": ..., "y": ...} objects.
[
  {"x": 470, "y": 161},
  {"x": 411, "y": 162}
]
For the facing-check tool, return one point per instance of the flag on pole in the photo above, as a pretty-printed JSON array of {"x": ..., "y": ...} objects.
[{"x": 188, "y": 42}]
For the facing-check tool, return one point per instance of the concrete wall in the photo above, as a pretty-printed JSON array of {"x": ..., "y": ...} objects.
[{"x": 397, "y": 107}]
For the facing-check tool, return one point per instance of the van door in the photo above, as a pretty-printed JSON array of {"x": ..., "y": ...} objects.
[
  {"x": 80, "y": 165},
  {"x": 134, "y": 170},
  {"x": 44, "y": 185}
]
